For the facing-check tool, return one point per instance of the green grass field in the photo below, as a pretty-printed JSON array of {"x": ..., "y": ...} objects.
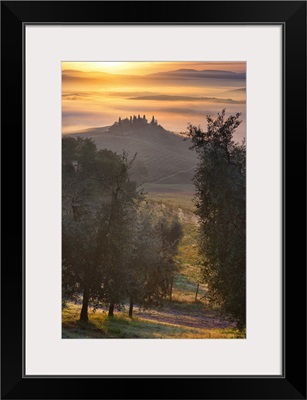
[{"x": 174, "y": 195}]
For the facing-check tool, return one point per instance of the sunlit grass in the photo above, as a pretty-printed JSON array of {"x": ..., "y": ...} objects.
[
  {"x": 120, "y": 326},
  {"x": 172, "y": 195},
  {"x": 188, "y": 247}
]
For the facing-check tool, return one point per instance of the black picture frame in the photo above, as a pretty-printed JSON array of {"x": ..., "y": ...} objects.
[{"x": 292, "y": 16}]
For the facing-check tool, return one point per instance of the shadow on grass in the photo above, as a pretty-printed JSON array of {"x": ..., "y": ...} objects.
[
  {"x": 121, "y": 326},
  {"x": 192, "y": 308}
]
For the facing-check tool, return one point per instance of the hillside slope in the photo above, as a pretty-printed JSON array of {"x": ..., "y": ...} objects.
[{"x": 165, "y": 155}]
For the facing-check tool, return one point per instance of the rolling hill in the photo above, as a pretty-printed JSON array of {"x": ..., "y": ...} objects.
[{"x": 165, "y": 155}]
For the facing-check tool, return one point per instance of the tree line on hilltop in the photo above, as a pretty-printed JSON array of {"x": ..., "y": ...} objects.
[{"x": 134, "y": 122}]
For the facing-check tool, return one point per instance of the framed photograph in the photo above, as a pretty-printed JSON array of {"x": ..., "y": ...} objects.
[{"x": 163, "y": 148}]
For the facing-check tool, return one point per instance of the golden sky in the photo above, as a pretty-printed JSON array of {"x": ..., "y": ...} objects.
[
  {"x": 95, "y": 94},
  {"x": 145, "y": 67}
]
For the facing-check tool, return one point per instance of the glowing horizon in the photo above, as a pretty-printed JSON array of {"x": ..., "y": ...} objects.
[
  {"x": 96, "y": 94},
  {"x": 145, "y": 67}
]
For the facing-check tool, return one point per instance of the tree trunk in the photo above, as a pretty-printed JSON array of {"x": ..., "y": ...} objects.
[
  {"x": 196, "y": 292},
  {"x": 111, "y": 310},
  {"x": 131, "y": 308},
  {"x": 171, "y": 290},
  {"x": 84, "y": 310}
]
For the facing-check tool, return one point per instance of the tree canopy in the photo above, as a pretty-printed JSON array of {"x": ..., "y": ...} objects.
[
  {"x": 220, "y": 182},
  {"x": 113, "y": 247}
]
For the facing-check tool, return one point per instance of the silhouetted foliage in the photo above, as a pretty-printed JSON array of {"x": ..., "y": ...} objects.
[
  {"x": 220, "y": 182},
  {"x": 132, "y": 123},
  {"x": 112, "y": 248},
  {"x": 97, "y": 196},
  {"x": 152, "y": 265}
]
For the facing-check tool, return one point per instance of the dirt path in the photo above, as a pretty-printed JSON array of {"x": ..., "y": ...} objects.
[{"x": 202, "y": 320}]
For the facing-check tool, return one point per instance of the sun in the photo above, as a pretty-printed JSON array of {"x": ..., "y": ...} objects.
[{"x": 108, "y": 65}]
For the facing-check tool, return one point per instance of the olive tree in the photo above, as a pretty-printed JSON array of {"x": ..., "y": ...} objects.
[{"x": 220, "y": 182}]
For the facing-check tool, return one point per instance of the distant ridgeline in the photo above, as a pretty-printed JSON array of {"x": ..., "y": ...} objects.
[{"x": 132, "y": 123}]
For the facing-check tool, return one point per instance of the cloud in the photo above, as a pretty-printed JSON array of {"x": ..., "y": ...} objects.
[
  {"x": 164, "y": 97},
  {"x": 239, "y": 90},
  {"x": 132, "y": 94},
  {"x": 82, "y": 95},
  {"x": 78, "y": 114},
  {"x": 74, "y": 96},
  {"x": 185, "y": 73},
  {"x": 178, "y": 110}
]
